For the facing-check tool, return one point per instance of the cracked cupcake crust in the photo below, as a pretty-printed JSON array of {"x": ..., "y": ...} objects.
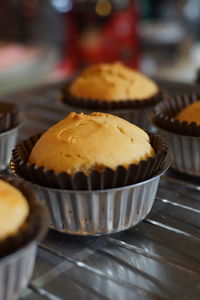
[
  {"x": 91, "y": 142},
  {"x": 112, "y": 82}
]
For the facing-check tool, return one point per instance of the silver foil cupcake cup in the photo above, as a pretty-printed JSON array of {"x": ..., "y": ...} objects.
[
  {"x": 18, "y": 253},
  {"x": 102, "y": 211},
  {"x": 8, "y": 140},
  {"x": 15, "y": 272},
  {"x": 183, "y": 137},
  {"x": 184, "y": 152},
  {"x": 9, "y": 115}
]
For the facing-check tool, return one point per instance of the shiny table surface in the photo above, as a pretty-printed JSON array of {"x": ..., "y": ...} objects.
[{"x": 157, "y": 259}]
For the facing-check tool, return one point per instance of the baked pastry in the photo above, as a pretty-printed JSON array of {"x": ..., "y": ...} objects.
[
  {"x": 23, "y": 222},
  {"x": 86, "y": 167},
  {"x": 14, "y": 210},
  {"x": 112, "y": 82},
  {"x": 178, "y": 120},
  {"x": 91, "y": 142},
  {"x": 190, "y": 113},
  {"x": 113, "y": 88},
  {"x": 89, "y": 152}
]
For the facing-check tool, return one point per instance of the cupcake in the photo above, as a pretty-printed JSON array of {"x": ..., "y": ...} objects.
[
  {"x": 98, "y": 173},
  {"x": 178, "y": 120},
  {"x": 113, "y": 88},
  {"x": 23, "y": 221},
  {"x": 9, "y": 127},
  {"x": 190, "y": 113}
]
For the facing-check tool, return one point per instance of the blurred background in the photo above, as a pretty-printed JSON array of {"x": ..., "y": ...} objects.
[{"x": 48, "y": 41}]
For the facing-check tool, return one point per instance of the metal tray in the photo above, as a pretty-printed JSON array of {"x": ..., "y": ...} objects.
[{"x": 157, "y": 259}]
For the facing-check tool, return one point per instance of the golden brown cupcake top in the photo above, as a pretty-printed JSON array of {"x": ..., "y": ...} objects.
[
  {"x": 112, "y": 82},
  {"x": 191, "y": 113},
  {"x": 14, "y": 210},
  {"x": 91, "y": 142}
]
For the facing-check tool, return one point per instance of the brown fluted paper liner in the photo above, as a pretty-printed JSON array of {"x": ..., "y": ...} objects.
[
  {"x": 96, "y": 180},
  {"x": 38, "y": 218},
  {"x": 101, "y": 105},
  {"x": 9, "y": 116},
  {"x": 166, "y": 111}
]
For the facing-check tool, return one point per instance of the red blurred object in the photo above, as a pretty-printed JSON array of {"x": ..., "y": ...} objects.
[
  {"x": 91, "y": 38},
  {"x": 120, "y": 41}
]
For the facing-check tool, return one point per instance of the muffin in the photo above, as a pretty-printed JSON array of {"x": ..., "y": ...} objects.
[
  {"x": 190, "y": 113},
  {"x": 89, "y": 165},
  {"x": 11, "y": 220},
  {"x": 178, "y": 120},
  {"x": 113, "y": 88},
  {"x": 10, "y": 121},
  {"x": 112, "y": 82},
  {"x": 23, "y": 220},
  {"x": 86, "y": 143}
]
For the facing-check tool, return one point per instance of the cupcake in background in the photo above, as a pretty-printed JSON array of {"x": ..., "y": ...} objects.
[
  {"x": 178, "y": 120},
  {"x": 10, "y": 121},
  {"x": 98, "y": 173},
  {"x": 190, "y": 113},
  {"x": 113, "y": 88},
  {"x": 112, "y": 83},
  {"x": 23, "y": 221}
]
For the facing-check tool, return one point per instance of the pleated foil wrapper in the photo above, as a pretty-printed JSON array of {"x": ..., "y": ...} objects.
[
  {"x": 10, "y": 122},
  {"x": 9, "y": 116},
  {"x": 90, "y": 207},
  {"x": 100, "y": 212},
  {"x": 184, "y": 151},
  {"x": 8, "y": 140},
  {"x": 106, "y": 178},
  {"x": 16, "y": 271},
  {"x": 166, "y": 111},
  {"x": 135, "y": 111},
  {"x": 33, "y": 227},
  {"x": 17, "y": 253},
  {"x": 183, "y": 137}
]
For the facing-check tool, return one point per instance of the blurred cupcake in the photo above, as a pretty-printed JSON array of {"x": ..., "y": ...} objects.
[
  {"x": 190, "y": 114},
  {"x": 178, "y": 119},
  {"x": 113, "y": 88},
  {"x": 23, "y": 221},
  {"x": 98, "y": 173},
  {"x": 9, "y": 127}
]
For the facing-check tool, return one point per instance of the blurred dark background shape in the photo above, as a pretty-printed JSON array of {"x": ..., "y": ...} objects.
[{"x": 49, "y": 41}]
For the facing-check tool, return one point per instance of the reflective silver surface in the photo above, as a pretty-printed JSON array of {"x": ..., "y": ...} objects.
[
  {"x": 15, "y": 272},
  {"x": 157, "y": 259},
  {"x": 99, "y": 212},
  {"x": 8, "y": 140},
  {"x": 185, "y": 152}
]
